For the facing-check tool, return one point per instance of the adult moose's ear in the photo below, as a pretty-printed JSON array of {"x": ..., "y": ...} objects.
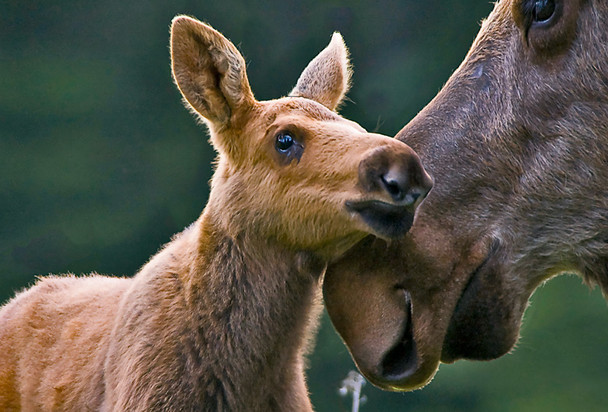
[
  {"x": 209, "y": 71},
  {"x": 326, "y": 79}
]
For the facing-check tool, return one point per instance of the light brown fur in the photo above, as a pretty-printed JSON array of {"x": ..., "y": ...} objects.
[
  {"x": 221, "y": 317},
  {"x": 517, "y": 143}
]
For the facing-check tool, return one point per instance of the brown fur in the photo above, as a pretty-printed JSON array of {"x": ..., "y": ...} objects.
[
  {"x": 517, "y": 143},
  {"x": 221, "y": 317}
]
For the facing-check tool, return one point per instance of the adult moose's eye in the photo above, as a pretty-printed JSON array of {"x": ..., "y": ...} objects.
[
  {"x": 543, "y": 10},
  {"x": 539, "y": 16},
  {"x": 548, "y": 26}
]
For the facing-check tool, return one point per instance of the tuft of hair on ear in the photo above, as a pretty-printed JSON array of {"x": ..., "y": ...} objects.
[{"x": 327, "y": 77}]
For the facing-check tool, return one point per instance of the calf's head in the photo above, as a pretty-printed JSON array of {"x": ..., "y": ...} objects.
[
  {"x": 517, "y": 144},
  {"x": 292, "y": 170}
]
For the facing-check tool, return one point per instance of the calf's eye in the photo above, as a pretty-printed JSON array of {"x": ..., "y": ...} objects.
[
  {"x": 284, "y": 142},
  {"x": 289, "y": 147}
]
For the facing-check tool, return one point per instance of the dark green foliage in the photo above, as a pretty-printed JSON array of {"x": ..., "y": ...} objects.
[{"x": 100, "y": 163}]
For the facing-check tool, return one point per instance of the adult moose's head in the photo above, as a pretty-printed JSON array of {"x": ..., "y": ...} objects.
[{"x": 517, "y": 144}]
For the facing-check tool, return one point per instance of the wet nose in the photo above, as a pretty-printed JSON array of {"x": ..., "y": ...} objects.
[
  {"x": 397, "y": 172},
  {"x": 396, "y": 184}
]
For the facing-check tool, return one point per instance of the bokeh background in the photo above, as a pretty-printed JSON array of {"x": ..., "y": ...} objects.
[{"x": 100, "y": 163}]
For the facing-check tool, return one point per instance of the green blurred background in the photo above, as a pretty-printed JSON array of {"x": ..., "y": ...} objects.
[{"x": 100, "y": 163}]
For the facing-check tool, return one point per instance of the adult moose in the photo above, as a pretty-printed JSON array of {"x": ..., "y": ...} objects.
[
  {"x": 220, "y": 318},
  {"x": 517, "y": 144}
]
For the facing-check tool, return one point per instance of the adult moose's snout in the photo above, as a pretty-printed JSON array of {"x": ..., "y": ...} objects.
[{"x": 394, "y": 183}]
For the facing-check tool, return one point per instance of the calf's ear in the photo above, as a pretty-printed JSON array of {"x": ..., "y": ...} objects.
[
  {"x": 326, "y": 79},
  {"x": 209, "y": 71}
]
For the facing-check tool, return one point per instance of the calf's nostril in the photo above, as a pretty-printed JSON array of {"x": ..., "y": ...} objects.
[
  {"x": 397, "y": 175},
  {"x": 394, "y": 187},
  {"x": 399, "y": 187}
]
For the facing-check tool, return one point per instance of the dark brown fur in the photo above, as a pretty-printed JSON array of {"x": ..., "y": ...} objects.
[{"x": 517, "y": 143}]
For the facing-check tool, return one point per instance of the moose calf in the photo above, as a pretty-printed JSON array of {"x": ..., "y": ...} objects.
[{"x": 219, "y": 319}]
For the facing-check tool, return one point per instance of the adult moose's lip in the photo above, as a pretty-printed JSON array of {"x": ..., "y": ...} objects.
[
  {"x": 485, "y": 322},
  {"x": 386, "y": 366},
  {"x": 401, "y": 360},
  {"x": 387, "y": 220},
  {"x": 379, "y": 320}
]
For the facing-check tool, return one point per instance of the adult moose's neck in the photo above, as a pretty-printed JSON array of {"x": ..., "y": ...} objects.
[{"x": 259, "y": 303}]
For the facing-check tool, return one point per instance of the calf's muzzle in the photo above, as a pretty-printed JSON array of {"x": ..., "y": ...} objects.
[{"x": 394, "y": 182}]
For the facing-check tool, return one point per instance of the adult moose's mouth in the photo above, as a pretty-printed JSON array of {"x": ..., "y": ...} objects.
[
  {"x": 387, "y": 220},
  {"x": 485, "y": 322},
  {"x": 375, "y": 321},
  {"x": 401, "y": 360}
]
